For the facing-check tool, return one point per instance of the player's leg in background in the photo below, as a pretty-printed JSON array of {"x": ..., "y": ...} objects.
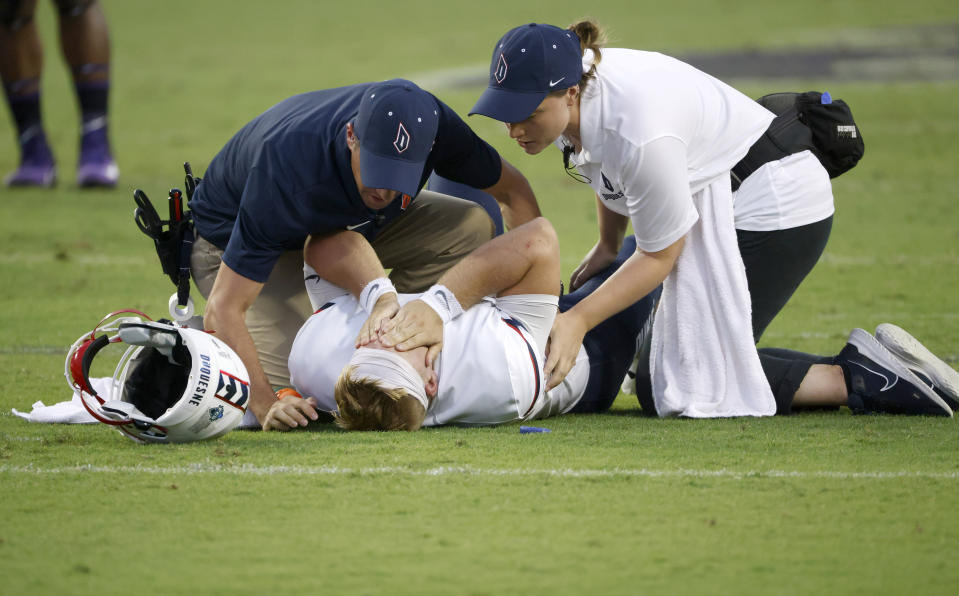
[
  {"x": 85, "y": 41},
  {"x": 776, "y": 263},
  {"x": 434, "y": 233},
  {"x": 611, "y": 344},
  {"x": 21, "y": 62}
]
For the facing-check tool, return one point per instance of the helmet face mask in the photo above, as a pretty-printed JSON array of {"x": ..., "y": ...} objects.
[{"x": 172, "y": 384}]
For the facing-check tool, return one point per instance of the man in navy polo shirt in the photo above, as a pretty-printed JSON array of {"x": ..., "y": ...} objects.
[{"x": 351, "y": 158}]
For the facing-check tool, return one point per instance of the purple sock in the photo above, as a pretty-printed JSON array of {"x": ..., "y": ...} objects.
[
  {"x": 25, "y": 108},
  {"x": 92, "y": 95},
  {"x": 95, "y": 166},
  {"x": 24, "y": 99}
]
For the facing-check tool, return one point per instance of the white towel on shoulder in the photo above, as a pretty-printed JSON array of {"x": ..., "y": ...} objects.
[{"x": 704, "y": 363}]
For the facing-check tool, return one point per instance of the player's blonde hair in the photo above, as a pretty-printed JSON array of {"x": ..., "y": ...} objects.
[{"x": 364, "y": 404}]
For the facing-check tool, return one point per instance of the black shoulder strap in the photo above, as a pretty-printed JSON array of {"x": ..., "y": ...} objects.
[{"x": 786, "y": 134}]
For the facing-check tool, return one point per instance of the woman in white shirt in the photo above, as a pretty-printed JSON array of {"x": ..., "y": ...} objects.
[{"x": 656, "y": 139}]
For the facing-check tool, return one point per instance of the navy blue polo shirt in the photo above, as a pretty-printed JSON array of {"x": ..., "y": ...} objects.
[{"x": 287, "y": 175}]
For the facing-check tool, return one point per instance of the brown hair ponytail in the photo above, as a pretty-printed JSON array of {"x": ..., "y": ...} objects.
[{"x": 591, "y": 37}]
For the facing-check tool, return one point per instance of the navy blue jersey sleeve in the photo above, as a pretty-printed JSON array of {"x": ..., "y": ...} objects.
[
  {"x": 461, "y": 156},
  {"x": 268, "y": 223}
]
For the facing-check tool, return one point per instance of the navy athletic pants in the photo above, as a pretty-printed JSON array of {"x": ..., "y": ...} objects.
[{"x": 611, "y": 344}]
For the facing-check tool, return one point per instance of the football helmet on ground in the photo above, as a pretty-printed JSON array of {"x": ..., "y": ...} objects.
[{"x": 171, "y": 385}]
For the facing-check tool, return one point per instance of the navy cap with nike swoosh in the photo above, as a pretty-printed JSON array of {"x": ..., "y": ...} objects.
[
  {"x": 529, "y": 62},
  {"x": 396, "y": 125}
]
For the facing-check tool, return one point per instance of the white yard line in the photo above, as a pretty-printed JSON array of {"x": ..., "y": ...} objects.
[{"x": 255, "y": 470}]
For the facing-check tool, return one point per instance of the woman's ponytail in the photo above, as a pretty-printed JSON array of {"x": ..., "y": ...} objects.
[{"x": 592, "y": 38}]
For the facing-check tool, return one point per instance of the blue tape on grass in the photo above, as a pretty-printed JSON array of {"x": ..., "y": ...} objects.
[{"x": 525, "y": 430}]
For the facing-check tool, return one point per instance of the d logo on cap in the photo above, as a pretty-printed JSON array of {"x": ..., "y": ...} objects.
[
  {"x": 402, "y": 141},
  {"x": 396, "y": 126},
  {"x": 501, "y": 67},
  {"x": 539, "y": 60}
]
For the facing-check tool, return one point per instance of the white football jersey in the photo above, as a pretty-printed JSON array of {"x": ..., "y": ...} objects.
[
  {"x": 654, "y": 131},
  {"x": 490, "y": 370}
]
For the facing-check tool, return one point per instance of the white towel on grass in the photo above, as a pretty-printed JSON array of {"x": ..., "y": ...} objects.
[
  {"x": 68, "y": 412},
  {"x": 703, "y": 360}
]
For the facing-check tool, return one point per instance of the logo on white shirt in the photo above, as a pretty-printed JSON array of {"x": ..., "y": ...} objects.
[
  {"x": 606, "y": 182},
  {"x": 610, "y": 196}
]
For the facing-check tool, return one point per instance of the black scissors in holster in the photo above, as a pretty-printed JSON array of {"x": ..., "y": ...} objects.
[{"x": 173, "y": 237}]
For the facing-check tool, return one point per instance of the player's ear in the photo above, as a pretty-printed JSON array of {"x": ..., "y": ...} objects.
[
  {"x": 351, "y": 139},
  {"x": 432, "y": 384},
  {"x": 572, "y": 95}
]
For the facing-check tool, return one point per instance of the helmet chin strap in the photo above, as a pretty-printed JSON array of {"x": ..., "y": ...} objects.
[{"x": 125, "y": 413}]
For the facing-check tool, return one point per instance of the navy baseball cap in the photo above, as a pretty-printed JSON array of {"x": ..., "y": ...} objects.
[
  {"x": 529, "y": 62},
  {"x": 396, "y": 125}
]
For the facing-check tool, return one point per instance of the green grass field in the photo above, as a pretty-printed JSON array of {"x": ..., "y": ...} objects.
[{"x": 614, "y": 503}]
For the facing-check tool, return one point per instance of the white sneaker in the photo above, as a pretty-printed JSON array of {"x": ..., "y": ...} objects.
[
  {"x": 629, "y": 381},
  {"x": 927, "y": 366}
]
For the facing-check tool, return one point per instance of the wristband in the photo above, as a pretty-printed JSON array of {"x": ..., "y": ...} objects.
[
  {"x": 372, "y": 292},
  {"x": 286, "y": 392},
  {"x": 442, "y": 300}
]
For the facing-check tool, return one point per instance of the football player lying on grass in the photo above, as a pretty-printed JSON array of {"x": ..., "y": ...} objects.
[
  {"x": 484, "y": 367},
  {"x": 470, "y": 350}
]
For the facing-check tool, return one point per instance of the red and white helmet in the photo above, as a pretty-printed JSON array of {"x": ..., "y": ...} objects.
[{"x": 172, "y": 384}]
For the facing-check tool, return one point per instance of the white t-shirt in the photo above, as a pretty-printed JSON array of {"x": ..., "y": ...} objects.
[
  {"x": 490, "y": 370},
  {"x": 787, "y": 193},
  {"x": 655, "y": 131}
]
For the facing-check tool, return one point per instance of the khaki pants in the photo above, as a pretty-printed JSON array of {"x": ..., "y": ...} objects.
[{"x": 434, "y": 233}]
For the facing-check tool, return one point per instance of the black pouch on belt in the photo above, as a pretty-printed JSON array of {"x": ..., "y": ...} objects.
[{"x": 173, "y": 237}]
